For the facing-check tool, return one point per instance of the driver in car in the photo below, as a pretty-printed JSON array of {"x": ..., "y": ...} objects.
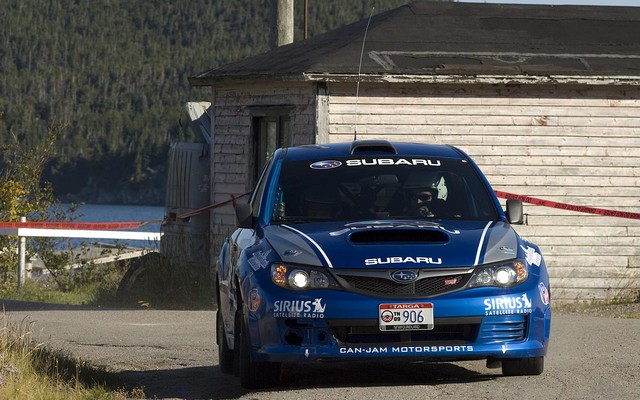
[{"x": 423, "y": 203}]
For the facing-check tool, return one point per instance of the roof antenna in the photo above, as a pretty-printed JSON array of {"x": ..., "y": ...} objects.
[{"x": 355, "y": 130}]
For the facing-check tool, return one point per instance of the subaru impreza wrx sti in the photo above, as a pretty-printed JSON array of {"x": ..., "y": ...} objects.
[{"x": 373, "y": 249}]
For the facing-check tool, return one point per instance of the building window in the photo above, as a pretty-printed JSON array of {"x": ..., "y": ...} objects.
[{"x": 271, "y": 130}]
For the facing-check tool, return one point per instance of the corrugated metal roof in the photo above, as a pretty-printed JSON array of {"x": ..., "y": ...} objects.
[{"x": 453, "y": 41}]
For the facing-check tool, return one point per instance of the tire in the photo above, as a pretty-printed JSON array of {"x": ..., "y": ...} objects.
[
  {"x": 522, "y": 366},
  {"x": 135, "y": 279},
  {"x": 255, "y": 375},
  {"x": 225, "y": 355}
]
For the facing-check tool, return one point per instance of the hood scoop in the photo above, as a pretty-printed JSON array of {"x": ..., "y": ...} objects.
[{"x": 408, "y": 236}]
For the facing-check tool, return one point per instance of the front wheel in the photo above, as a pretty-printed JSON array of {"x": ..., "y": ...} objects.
[
  {"x": 522, "y": 366},
  {"x": 255, "y": 375},
  {"x": 225, "y": 355}
]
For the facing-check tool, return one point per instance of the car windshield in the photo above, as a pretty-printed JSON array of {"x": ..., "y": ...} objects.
[{"x": 384, "y": 188}]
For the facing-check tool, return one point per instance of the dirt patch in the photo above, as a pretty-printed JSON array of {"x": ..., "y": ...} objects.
[{"x": 624, "y": 310}]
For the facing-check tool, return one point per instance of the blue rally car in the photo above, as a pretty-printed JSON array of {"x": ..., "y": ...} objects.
[{"x": 373, "y": 249}]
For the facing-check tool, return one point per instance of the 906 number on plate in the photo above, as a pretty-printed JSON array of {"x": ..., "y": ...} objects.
[{"x": 405, "y": 316}]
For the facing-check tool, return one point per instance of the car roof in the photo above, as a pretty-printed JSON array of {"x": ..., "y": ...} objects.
[{"x": 370, "y": 148}]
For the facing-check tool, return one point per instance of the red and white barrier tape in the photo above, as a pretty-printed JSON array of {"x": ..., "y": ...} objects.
[
  {"x": 92, "y": 226},
  {"x": 135, "y": 225},
  {"x": 212, "y": 206},
  {"x": 565, "y": 206},
  {"x": 108, "y": 226}
]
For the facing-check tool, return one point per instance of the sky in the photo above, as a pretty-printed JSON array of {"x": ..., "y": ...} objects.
[{"x": 630, "y": 3}]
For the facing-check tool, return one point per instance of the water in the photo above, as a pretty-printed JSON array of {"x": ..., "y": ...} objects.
[{"x": 120, "y": 213}]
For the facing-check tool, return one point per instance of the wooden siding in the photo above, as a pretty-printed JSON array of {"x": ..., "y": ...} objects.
[
  {"x": 232, "y": 142},
  {"x": 578, "y": 146}
]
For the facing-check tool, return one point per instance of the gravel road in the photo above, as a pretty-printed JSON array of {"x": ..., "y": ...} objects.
[{"x": 594, "y": 354}]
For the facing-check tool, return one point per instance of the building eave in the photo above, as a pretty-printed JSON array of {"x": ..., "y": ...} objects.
[
  {"x": 246, "y": 79},
  {"x": 590, "y": 80}
]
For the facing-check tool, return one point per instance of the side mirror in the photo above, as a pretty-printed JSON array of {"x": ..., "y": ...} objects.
[
  {"x": 244, "y": 215},
  {"x": 515, "y": 214}
]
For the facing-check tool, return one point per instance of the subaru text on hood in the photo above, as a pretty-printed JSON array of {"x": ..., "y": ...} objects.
[{"x": 374, "y": 249}]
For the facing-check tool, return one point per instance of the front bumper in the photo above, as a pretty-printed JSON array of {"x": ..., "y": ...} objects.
[{"x": 333, "y": 325}]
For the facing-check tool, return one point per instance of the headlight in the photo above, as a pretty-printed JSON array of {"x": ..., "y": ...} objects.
[
  {"x": 301, "y": 278},
  {"x": 504, "y": 274},
  {"x": 298, "y": 279}
]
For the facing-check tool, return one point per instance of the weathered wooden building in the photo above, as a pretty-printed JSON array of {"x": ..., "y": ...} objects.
[{"x": 545, "y": 98}]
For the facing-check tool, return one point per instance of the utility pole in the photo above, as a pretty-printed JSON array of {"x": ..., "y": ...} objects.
[
  {"x": 306, "y": 11},
  {"x": 284, "y": 22}
]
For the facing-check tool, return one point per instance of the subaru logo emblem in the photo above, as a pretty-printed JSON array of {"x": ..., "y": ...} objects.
[
  {"x": 328, "y": 164},
  {"x": 404, "y": 276}
]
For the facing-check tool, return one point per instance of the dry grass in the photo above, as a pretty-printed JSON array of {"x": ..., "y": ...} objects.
[{"x": 30, "y": 371}]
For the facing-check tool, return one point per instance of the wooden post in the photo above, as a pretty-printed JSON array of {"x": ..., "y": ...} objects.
[
  {"x": 306, "y": 12},
  {"x": 284, "y": 22},
  {"x": 22, "y": 257}
]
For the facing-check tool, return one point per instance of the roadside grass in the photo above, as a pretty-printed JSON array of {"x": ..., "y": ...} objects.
[
  {"x": 157, "y": 285},
  {"x": 99, "y": 290},
  {"x": 44, "y": 292},
  {"x": 31, "y": 371}
]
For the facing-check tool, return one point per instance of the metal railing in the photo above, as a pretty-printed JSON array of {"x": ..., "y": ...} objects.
[{"x": 23, "y": 233}]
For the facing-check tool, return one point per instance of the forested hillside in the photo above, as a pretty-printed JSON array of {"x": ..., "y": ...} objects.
[{"x": 116, "y": 72}]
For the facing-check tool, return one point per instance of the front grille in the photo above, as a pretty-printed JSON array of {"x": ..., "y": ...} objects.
[
  {"x": 453, "y": 331},
  {"x": 379, "y": 284}
]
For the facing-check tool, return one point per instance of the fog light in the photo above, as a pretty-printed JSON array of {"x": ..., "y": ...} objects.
[{"x": 299, "y": 279}]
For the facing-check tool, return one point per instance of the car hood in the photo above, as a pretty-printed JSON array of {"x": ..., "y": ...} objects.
[{"x": 394, "y": 244}]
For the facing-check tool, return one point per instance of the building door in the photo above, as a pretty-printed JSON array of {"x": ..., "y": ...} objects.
[{"x": 270, "y": 131}]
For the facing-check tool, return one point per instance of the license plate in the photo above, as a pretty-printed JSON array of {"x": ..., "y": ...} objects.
[{"x": 405, "y": 316}]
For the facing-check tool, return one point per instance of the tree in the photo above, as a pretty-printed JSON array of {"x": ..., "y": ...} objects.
[
  {"x": 118, "y": 72},
  {"x": 23, "y": 194}
]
